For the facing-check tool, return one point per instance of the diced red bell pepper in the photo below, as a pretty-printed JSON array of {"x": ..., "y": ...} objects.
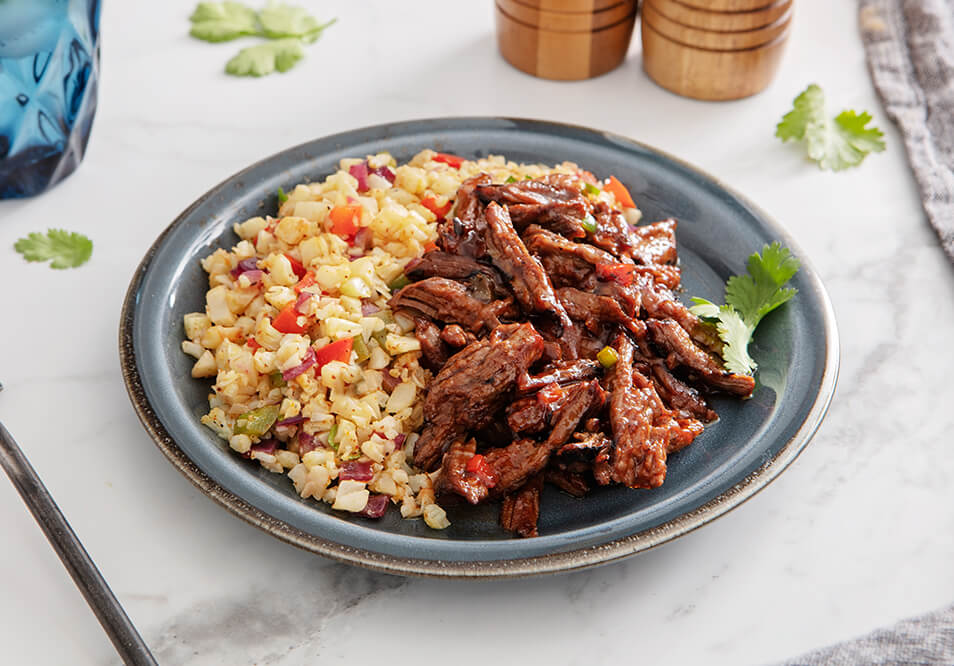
[
  {"x": 479, "y": 467},
  {"x": 620, "y": 192},
  {"x": 297, "y": 268},
  {"x": 550, "y": 394},
  {"x": 287, "y": 320},
  {"x": 252, "y": 343},
  {"x": 307, "y": 280},
  {"x": 452, "y": 160},
  {"x": 335, "y": 351},
  {"x": 621, "y": 273},
  {"x": 430, "y": 203},
  {"x": 345, "y": 219}
]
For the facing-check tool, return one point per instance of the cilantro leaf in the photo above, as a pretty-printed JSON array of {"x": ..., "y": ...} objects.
[
  {"x": 223, "y": 21},
  {"x": 834, "y": 143},
  {"x": 282, "y": 197},
  {"x": 281, "y": 20},
  {"x": 281, "y": 54},
  {"x": 748, "y": 299},
  {"x": 66, "y": 249},
  {"x": 758, "y": 293}
]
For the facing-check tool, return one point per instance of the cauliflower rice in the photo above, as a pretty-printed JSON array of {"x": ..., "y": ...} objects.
[{"x": 333, "y": 426}]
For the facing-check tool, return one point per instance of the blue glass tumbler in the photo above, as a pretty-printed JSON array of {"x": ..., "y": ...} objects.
[{"x": 49, "y": 65}]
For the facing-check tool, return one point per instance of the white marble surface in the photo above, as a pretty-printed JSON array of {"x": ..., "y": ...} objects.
[{"x": 857, "y": 533}]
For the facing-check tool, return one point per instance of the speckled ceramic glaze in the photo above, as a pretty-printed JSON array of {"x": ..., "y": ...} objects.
[{"x": 753, "y": 441}]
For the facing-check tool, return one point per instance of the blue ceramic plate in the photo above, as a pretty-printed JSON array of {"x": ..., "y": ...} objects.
[{"x": 754, "y": 440}]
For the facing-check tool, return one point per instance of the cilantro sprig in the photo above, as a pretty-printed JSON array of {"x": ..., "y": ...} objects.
[
  {"x": 748, "y": 299},
  {"x": 287, "y": 27},
  {"x": 834, "y": 143},
  {"x": 63, "y": 249}
]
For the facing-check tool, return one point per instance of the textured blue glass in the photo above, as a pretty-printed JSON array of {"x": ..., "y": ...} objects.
[{"x": 49, "y": 65}]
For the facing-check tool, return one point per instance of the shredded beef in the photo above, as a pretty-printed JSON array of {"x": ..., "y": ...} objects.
[
  {"x": 638, "y": 456},
  {"x": 681, "y": 350},
  {"x": 573, "y": 483},
  {"x": 461, "y": 232},
  {"x": 558, "y": 372},
  {"x": 454, "y": 476},
  {"x": 432, "y": 348},
  {"x": 515, "y": 405},
  {"x": 472, "y": 387},
  {"x": 447, "y": 301},
  {"x": 520, "y": 510},
  {"x": 457, "y": 337},
  {"x": 480, "y": 276},
  {"x": 530, "y": 283}
]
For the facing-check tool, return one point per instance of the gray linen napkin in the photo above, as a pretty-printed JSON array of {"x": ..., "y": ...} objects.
[
  {"x": 924, "y": 640},
  {"x": 910, "y": 48}
]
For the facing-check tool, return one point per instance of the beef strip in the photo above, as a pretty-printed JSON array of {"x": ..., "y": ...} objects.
[
  {"x": 573, "y": 483},
  {"x": 521, "y": 509},
  {"x": 437, "y": 263},
  {"x": 530, "y": 283},
  {"x": 513, "y": 465},
  {"x": 558, "y": 372},
  {"x": 456, "y": 337},
  {"x": 613, "y": 232},
  {"x": 594, "y": 310},
  {"x": 472, "y": 387},
  {"x": 584, "y": 446},
  {"x": 462, "y": 231},
  {"x": 655, "y": 243},
  {"x": 679, "y": 397},
  {"x": 455, "y": 478},
  {"x": 681, "y": 350},
  {"x": 539, "y": 192},
  {"x": 432, "y": 348},
  {"x": 660, "y": 303},
  {"x": 528, "y": 415},
  {"x": 562, "y": 217},
  {"x": 447, "y": 301},
  {"x": 569, "y": 264},
  {"x": 666, "y": 275},
  {"x": 638, "y": 456}
]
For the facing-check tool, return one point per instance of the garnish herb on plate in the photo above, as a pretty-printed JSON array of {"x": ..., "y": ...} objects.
[
  {"x": 834, "y": 143},
  {"x": 64, "y": 249},
  {"x": 288, "y": 28},
  {"x": 748, "y": 299}
]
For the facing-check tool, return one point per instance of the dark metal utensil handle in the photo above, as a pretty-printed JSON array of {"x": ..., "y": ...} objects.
[{"x": 91, "y": 583}]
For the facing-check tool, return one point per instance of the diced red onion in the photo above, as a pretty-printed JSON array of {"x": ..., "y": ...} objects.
[
  {"x": 303, "y": 298},
  {"x": 265, "y": 446},
  {"x": 399, "y": 440},
  {"x": 249, "y": 264},
  {"x": 368, "y": 308},
  {"x": 376, "y": 506},
  {"x": 306, "y": 443},
  {"x": 309, "y": 360},
  {"x": 360, "y": 172},
  {"x": 363, "y": 239},
  {"x": 253, "y": 276},
  {"x": 385, "y": 172},
  {"x": 291, "y": 420},
  {"x": 355, "y": 470}
]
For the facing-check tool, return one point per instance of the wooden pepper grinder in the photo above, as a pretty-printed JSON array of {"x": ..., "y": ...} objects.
[{"x": 566, "y": 40}]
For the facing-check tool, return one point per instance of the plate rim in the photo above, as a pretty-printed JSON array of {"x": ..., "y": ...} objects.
[{"x": 564, "y": 561}]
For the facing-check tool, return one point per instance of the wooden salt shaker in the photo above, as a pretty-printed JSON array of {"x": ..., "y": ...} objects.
[{"x": 564, "y": 40}]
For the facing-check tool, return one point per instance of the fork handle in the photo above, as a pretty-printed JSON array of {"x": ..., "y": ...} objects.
[{"x": 120, "y": 629}]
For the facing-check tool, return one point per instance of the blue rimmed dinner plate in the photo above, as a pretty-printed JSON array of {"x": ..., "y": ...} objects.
[{"x": 751, "y": 444}]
